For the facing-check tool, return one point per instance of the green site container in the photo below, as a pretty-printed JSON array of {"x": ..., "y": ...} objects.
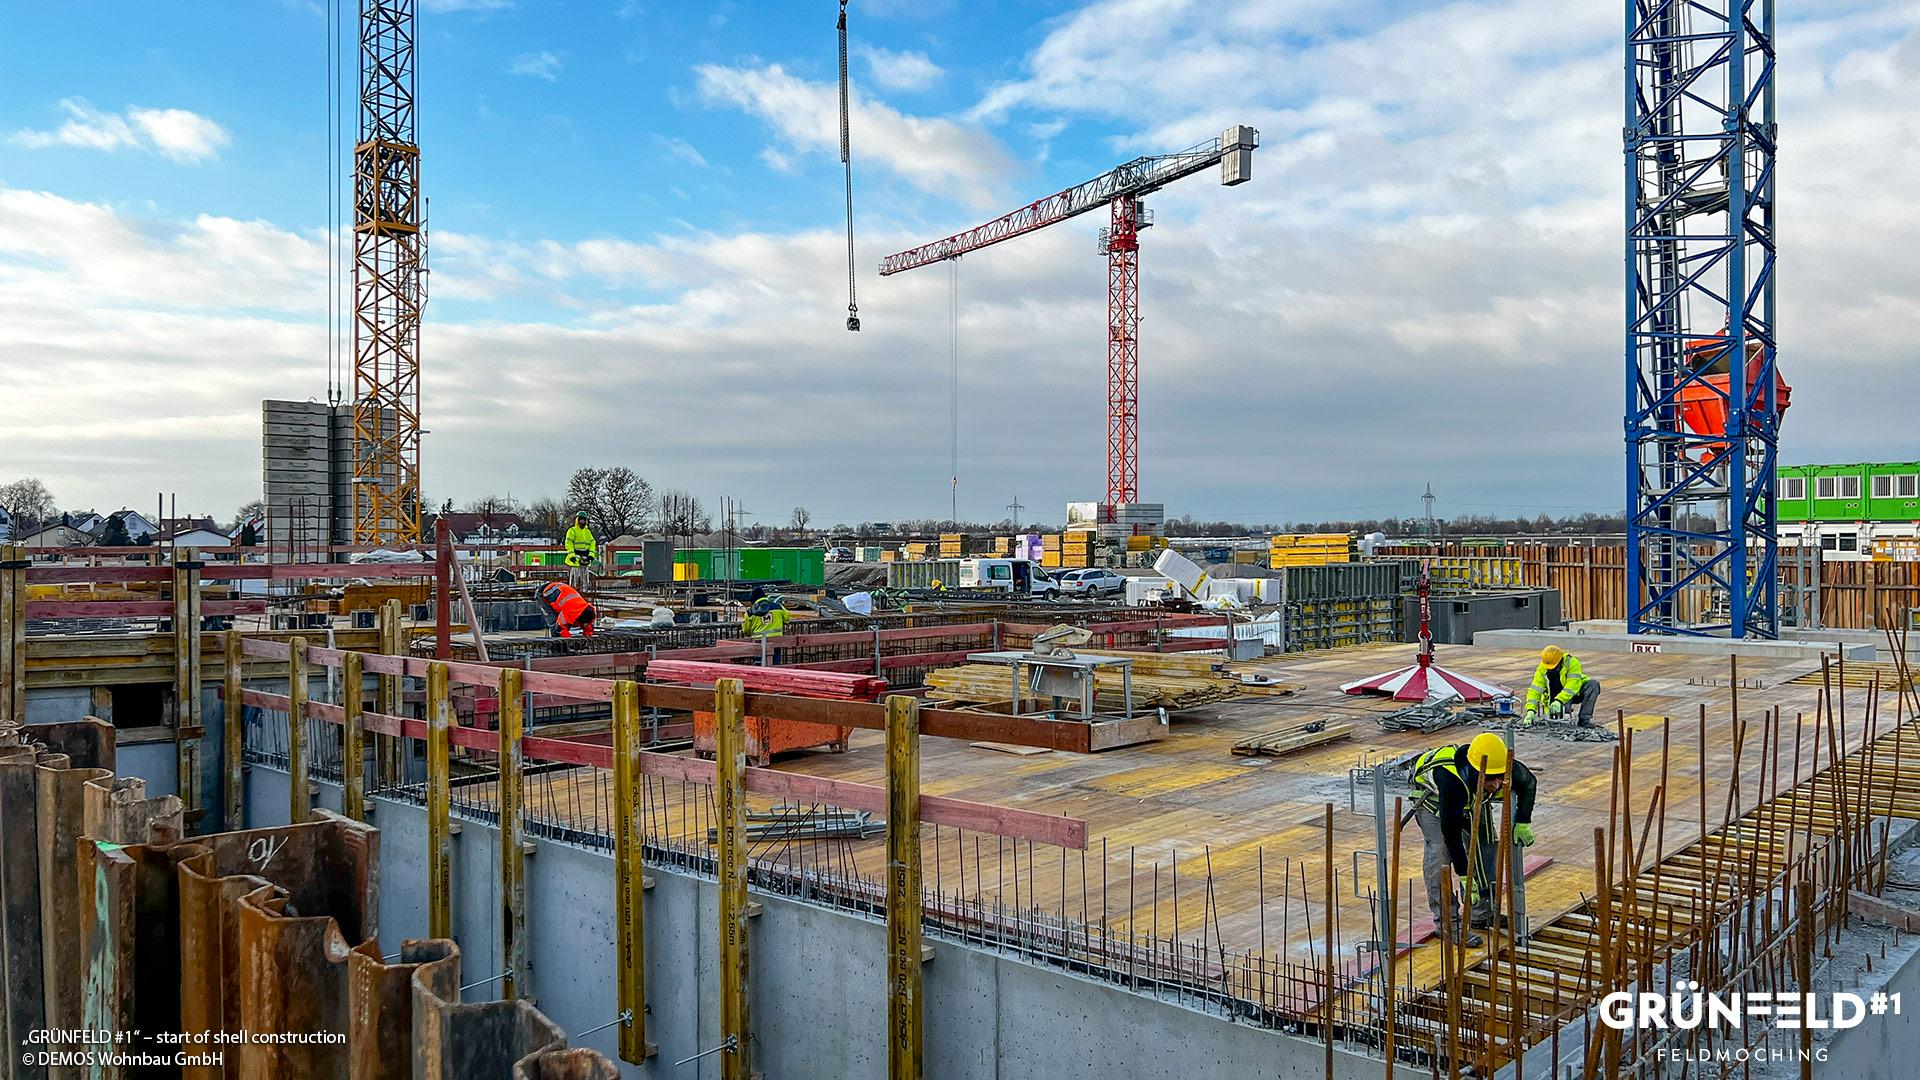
[
  {"x": 1893, "y": 491},
  {"x": 546, "y": 558},
  {"x": 802, "y": 566},
  {"x": 1793, "y": 491},
  {"x": 1838, "y": 492}
]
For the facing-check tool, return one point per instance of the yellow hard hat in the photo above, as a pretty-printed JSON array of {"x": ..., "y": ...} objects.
[
  {"x": 935, "y": 583},
  {"x": 1552, "y": 655},
  {"x": 1488, "y": 754}
]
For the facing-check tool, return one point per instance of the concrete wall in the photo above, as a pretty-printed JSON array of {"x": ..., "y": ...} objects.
[
  {"x": 155, "y": 762},
  {"x": 818, "y": 989}
]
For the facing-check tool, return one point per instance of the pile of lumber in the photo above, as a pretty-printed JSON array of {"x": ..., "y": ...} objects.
[
  {"x": 770, "y": 680},
  {"x": 1172, "y": 681},
  {"x": 1293, "y": 737}
]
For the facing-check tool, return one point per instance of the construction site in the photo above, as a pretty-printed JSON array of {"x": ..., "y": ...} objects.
[{"x": 373, "y": 798}]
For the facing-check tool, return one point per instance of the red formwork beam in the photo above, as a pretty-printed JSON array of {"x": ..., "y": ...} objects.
[
  {"x": 134, "y": 609},
  {"x": 57, "y": 575},
  {"x": 1064, "y": 735},
  {"x": 1027, "y": 825}
]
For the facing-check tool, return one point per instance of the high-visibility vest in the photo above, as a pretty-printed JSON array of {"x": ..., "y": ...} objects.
[
  {"x": 580, "y": 546},
  {"x": 1572, "y": 681},
  {"x": 565, "y": 602},
  {"x": 1440, "y": 759}
]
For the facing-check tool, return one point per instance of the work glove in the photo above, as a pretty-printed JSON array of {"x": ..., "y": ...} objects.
[
  {"x": 1532, "y": 715},
  {"x": 1554, "y": 710},
  {"x": 1524, "y": 835}
]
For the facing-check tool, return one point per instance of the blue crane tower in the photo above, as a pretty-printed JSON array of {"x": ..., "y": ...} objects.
[{"x": 1703, "y": 397}]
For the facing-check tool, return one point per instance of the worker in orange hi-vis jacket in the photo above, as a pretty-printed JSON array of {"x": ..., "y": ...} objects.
[{"x": 569, "y": 609}]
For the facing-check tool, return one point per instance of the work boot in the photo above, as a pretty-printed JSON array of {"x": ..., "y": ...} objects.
[
  {"x": 1488, "y": 924},
  {"x": 1474, "y": 940}
]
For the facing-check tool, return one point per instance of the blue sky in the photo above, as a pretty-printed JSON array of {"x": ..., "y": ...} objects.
[{"x": 636, "y": 211}]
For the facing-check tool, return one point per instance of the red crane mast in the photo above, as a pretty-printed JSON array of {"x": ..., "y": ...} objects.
[{"x": 1120, "y": 191}]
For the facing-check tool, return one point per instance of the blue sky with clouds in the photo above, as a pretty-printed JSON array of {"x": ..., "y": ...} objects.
[{"x": 636, "y": 210}]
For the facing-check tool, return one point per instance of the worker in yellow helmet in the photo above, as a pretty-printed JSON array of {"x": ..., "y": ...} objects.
[
  {"x": 1559, "y": 684},
  {"x": 1444, "y": 781}
]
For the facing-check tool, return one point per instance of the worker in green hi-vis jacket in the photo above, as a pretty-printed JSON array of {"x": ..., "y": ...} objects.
[
  {"x": 1559, "y": 684},
  {"x": 581, "y": 551}
]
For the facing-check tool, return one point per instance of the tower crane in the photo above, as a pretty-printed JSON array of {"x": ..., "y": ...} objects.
[{"x": 1120, "y": 191}]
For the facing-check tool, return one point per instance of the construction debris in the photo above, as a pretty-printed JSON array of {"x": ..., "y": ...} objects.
[{"x": 1286, "y": 740}]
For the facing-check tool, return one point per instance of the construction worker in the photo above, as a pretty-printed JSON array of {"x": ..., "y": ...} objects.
[
  {"x": 937, "y": 585},
  {"x": 581, "y": 551},
  {"x": 766, "y": 619},
  {"x": 1560, "y": 683},
  {"x": 1444, "y": 782},
  {"x": 569, "y": 609}
]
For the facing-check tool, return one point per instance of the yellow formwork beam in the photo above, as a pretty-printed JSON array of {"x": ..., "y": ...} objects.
[
  {"x": 630, "y": 915},
  {"x": 233, "y": 736},
  {"x": 904, "y": 986},
  {"x": 299, "y": 794},
  {"x": 513, "y": 852},
  {"x": 353, "y": 738},
  {"x": 439, "y": 805},
  {"x": 729, "y": 795}
]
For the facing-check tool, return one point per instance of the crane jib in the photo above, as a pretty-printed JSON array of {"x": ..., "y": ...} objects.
[{"x": 1136, "y": 178}]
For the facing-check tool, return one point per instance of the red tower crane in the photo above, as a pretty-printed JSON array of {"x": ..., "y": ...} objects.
[{"x": 1120, "y": 191}]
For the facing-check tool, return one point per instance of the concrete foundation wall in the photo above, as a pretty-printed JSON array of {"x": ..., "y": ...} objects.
[
  {"x": 818, "y": 990},
  {"x": 155, "y": 762}
]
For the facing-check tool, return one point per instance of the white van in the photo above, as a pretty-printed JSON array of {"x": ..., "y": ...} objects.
[{"x": 1009, "y": 575}]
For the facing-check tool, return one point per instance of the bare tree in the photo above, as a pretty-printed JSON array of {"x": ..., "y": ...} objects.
[
  {"x": 800, "y": 519},
  {"x": 28, "y": 503},
  {"x": 253, "y": 511},
  {"x": 625, "y": 499},
  {"x": 490, "y": 505},
  {"x": 545, "y": 516}
]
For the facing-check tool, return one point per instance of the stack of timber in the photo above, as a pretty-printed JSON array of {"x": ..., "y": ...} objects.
[
  {"x": 1309, "y": 549},
  {"x": 771, "y": 680},
  {"x": 1172, "y": 681},
  {"x": 1294, "y": 737}
]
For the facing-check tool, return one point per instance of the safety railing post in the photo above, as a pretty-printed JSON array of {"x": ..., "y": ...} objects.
[
  {"x": 630, "y": 921},
  {"x": 513, "y": 852},
  {"x": 353, "y": 737},
  {"x": 233, "y": 737},
  {"x": 439, "y": 805},
  {"x": 299, "y": 793},
  {"x": 188, "y": 724},
  {"x": 729, "y": 794},
  {"x": 904, "y": 989}
]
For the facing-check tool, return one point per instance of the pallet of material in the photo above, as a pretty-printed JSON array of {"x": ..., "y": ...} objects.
[
  {"x": 1294, "y": 737},
  {"x": 985, "y": 683}
]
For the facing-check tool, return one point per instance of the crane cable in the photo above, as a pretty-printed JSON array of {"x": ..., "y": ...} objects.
[{"x": 846, "y": 160}]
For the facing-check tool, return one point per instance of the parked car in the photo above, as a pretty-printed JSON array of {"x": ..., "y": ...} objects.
[
  {"x": 1094, "y": 581},
  {"x": 839, "y": 554}
]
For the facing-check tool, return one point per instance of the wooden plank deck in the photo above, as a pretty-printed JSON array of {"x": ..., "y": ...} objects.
[{"x": 1180, "y": 804}]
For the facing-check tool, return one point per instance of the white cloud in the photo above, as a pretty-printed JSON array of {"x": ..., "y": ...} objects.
[
  {"x": 1423, "y": 275},
  {"x": 173, "y": 133},
  {"x": 933, "y": 154},
  {"x": 679, "y": 149},
  {"x": 540, "y": 65},
  {"x": 901, "y": 70}
]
